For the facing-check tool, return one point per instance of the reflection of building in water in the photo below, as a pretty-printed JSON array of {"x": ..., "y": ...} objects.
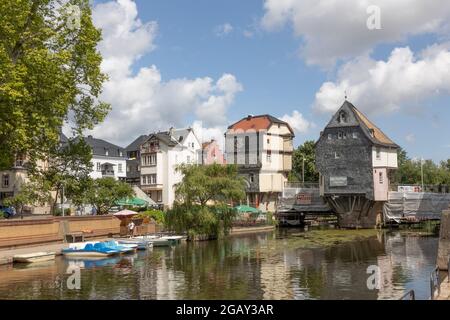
[
  {"x": 407, "y": 258},
  {"x": 158, "y": 281},
  {"x": 275, "y": 282}
]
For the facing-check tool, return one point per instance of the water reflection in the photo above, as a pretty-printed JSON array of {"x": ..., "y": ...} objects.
[{"x": 261, "y": 266}]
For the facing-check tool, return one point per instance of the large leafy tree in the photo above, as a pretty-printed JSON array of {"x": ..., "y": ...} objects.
[
  {"x": 203, "y": 198},
  {"x": 49, "y": 74},
  {"x": 104, "y": 193},
  {"x": 216, "y": 183},
  {"x": 304, "y": 152}
]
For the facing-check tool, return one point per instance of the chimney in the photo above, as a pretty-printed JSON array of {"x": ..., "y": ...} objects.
[{"x": 249, "y": 117}]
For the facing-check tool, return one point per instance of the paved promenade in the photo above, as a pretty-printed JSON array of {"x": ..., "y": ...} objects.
[{"x": 445, "y": 290}]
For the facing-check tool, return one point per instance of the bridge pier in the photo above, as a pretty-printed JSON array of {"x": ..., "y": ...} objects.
[{"x": 356, "y": 211}]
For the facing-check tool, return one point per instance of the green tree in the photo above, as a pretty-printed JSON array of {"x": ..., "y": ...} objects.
[
  {"x": 49, "y": 71},
  {"x": 304, "y": 152},
  {"x": 67, "y": 167},
  {"x": 33, "y": 193},
  {"x": 202, "y": 184},
  {"x": 203, "y": 198},
  {"x": 103, "y": 193}
]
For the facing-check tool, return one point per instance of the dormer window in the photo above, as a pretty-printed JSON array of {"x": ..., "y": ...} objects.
[
  {"x": 342, "y": 117},
  {"x": 106, "y": 152}
]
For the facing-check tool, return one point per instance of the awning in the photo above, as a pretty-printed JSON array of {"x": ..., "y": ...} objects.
[
  {"x": 244, "y": 208},
  {"x": 137, "y": 202}
]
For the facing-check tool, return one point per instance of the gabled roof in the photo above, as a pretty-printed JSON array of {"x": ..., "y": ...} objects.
[
  {"x": 260, "y": 122},
  {"x": 378, "y": 137},
  {"x": 136, "y": 144},
  {"x": 172, "y": 137},
  {"x": 100, "y": 146}
]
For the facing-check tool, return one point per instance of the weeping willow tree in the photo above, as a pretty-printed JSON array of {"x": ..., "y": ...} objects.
[{"x": 204, "y": 200}]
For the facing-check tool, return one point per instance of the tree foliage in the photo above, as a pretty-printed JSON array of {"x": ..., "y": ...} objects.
[
  {"x": 202, "y": 184},
  {"x": 203, "y": 198},
  {"x": 305, "y": 151},
  {"x": 409, "y": 171},
  {"x": 49, "y": 71},
  {"x": 104, "y": 193}
]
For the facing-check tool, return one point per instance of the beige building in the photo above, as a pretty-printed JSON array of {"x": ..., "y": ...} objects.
[
  {"x": 12, "y": 180},
  {"x": 262, "y": 148}
]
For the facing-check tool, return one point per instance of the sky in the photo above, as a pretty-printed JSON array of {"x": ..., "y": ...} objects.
[{"x": 206, "y": 64}]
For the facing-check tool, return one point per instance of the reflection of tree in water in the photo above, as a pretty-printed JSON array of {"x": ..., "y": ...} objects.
[{"x": 224, "y": 269}]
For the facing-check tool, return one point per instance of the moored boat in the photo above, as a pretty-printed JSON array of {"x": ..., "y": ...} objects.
[
  {"x": 98, "y": 250},
  {"x": 141, "y": 243},
  {"x": 34, "y": 257}
]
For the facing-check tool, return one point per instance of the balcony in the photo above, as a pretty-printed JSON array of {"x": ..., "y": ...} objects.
[{"x": 108, "y": 173}]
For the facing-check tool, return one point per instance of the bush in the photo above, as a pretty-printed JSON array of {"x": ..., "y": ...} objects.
[{"x": 157, "y": 215}]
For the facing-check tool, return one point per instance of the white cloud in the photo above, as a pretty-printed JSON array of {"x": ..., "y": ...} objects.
[
  {"x": 333, "y": 30},
  {"x": 297, "y": 122},
  {"x": 142, "y": 101},
  {"x": 410, "y": 138},
  {"x": 401, "y": 82},
  {"x": 223, "y": 29}
]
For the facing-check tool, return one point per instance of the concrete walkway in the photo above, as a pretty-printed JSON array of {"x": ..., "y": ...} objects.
[
  {"x": 445, "y": 290},
  {"x": 7, "y": 255}
]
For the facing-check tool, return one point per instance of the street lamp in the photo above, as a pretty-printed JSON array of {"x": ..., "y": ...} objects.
[
  {"x": 421, "y": 173},
  {"x": 303, "y": 171}
]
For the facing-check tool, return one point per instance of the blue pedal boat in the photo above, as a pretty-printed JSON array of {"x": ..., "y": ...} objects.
[{"x": 90, "y": 250}]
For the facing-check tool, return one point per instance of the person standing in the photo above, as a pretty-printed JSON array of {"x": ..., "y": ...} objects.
[{"x": 131, "y": 227}]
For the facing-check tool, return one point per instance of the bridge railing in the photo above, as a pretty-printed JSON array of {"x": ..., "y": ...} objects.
[
  {"x": 434, "y": 283},
  {"x": 299, "y": 184},
  {"x": 418, "y": 188},
  {"x": 410, "y": 295}
]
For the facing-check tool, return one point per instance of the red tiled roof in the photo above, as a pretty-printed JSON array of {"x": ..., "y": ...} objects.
[{"x": 262, "y": 122}]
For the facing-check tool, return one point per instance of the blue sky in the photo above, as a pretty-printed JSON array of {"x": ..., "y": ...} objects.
[{"x": 277, "y": 61}]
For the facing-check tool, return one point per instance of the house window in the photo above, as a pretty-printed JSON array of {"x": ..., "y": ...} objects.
[
  {"x": 5, "y": 181},
  {"x": 252, "y": 178},
  {"x": 20, "y": 159},
  {"x": 152, "y": 179},
  {"x": 330, "y": 136},
  {"x": 340, "y": 135},
  {"x": 128, "y": 169},
  {"x": 268, "y": 141},
  {"x": 159, "y": 196},
  {"x": 120, "y": 167},
  {"x": 106, "y": 152},
  {"x": 381, "y": 177},
  {"x": 269, "y": 156},
  {"x": 247, "y": 150},
  {"x": 120, "y": 154},
  {"x": 99, "y": 167},
  {"x": 378, "y": 152},
  {"x": 193, "y": 145},
  {"x": 355, "y": 135}
]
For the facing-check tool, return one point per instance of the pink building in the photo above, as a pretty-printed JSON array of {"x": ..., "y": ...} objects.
[{"x": 211, "y": 153}]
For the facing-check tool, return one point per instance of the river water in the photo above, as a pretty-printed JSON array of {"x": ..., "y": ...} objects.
[{"x": 274, "y": 265}]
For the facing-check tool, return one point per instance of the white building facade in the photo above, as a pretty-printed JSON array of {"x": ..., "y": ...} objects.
[
  {"x": 108, "y": 160},
  {"x": 160, "y": 154}
]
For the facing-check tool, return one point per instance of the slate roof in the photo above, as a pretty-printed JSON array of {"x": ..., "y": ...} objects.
[
  {"x": 136, "y": 144},
  {"x": 378, "y": 137},
  {"x": 100, "y": 146}
]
